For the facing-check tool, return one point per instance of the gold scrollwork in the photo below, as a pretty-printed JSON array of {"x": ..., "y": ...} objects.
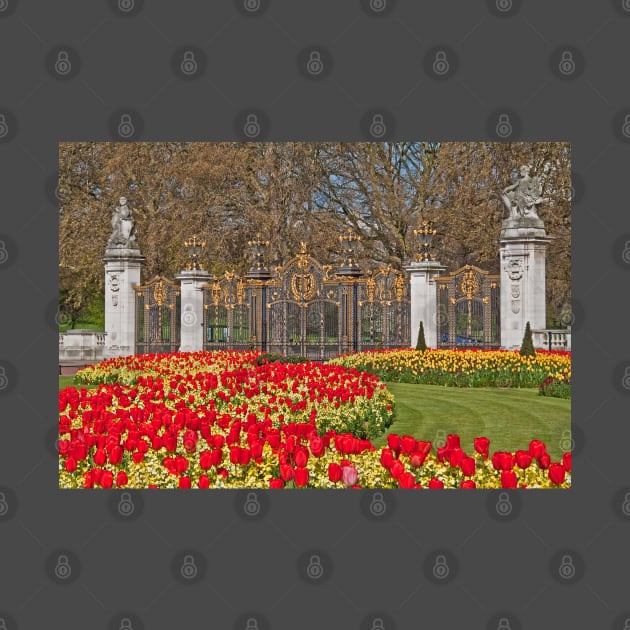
[
  {"x": 470, "y": 284},
  {"x": 160, "y": 292},
  {"x": 303, "y": 286},
  {"x": 399, "y": 287},
  {"x": 370, "y": 289},
  {"x": 215, "y": 292},
  {"x": 240, "y": 291}
]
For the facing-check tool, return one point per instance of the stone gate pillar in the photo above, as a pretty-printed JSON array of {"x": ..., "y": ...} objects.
[
  {"x": 122, "y": 273},
  {"x": 192, "y": 315},
  {"x": 423, "y": 295},
  {"x": 523, "y": 246}
]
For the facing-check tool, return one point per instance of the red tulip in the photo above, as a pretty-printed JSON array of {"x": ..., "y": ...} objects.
[
  {"x": 406, "y": 480},
  {"x": 107, "y": 479},
  {"x": 181, "y": 464},
  {"x": 121, "y": 479},
  {"x": 301, "y": 477},
  {"x": 523, "y": 459},
  {"x": 100, "y": 457},
  {"x": 276, "y": 483},
  {"x": 508, "y": 479},
  {"x": 435, "y": 483},
  {"x": 205, "y": 460},
  {"x": 397, "y": 468},
  {"x": 544, "y": 461},
  {"x": 468, "y": 466},
  {"x": 300, "y": 456},
  {"x": 556, "y": 473},
  {"x": 417, "y": 459},
  {"x": 317, "y": 446},
  {"x": 334, "y": 472},
  {"x": 468, "y": 483},
  {"x": 393, "y": 441},
  {"x": 286, "y": 472},
  {"x": 482, "y": 445},
  {"x": 387, "y": 458},
  {"x": 455, "y": 456},
  {"x": 536, "y": 448},
  {"x": 452, "y": 441},
  {"x": 184, "y": 482},
  {"x": 407, "y": 444},
  {"x": 566, "y": 461}
]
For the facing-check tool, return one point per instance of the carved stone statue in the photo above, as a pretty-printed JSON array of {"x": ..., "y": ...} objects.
[
  {"x": 522, "y": 198},
  {"x": 123, "y": 228}
]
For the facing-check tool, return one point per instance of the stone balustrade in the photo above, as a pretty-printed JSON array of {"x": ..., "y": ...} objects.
[
  {"x": 80, "y": 347},
  {"x": 559, "y": 339}
]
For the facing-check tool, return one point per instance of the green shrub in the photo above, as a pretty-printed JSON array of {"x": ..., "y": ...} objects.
[
  {"x": 421, "y": 343},
  {"x": 555, "y": 388},
  {"x": 527, "y": 348}
]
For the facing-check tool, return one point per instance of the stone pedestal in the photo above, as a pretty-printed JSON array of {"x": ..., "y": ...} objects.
[
  {"x": 523, "y": 246},
  {"x": 423, "y": 295},
  {"x": 122, "y": 274},
  {"x": 191, "y": 338}
]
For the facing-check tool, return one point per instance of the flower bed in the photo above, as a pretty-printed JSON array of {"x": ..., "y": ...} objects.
[
  {"x": 219, "y": 420},
  {"x": 462, "y": 368}
]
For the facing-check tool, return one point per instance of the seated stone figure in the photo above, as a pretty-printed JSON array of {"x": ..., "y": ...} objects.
[
  {"x": 123, "y": 227},
  {"x": 522, "y": 197}
]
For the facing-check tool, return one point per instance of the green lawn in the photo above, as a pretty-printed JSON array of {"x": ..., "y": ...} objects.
[{"x": 509, "y": 418}]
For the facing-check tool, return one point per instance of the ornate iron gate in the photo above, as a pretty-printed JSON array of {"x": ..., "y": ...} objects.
[
  {"x": 468, "y": 309},
  {"x": 305, "y": 309},
  {"x": 226, "y": 314},
  {"x": 384, "y": 310},
  {"x": 157, "y": 316}
]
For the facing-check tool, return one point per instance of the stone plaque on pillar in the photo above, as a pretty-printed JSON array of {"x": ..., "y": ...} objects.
[
  {"x": 523, "y": 245},
  {"x": 122, "y": 273}
]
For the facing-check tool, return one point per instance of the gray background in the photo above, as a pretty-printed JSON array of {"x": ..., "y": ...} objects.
[{"x": 503, "y": 569}]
